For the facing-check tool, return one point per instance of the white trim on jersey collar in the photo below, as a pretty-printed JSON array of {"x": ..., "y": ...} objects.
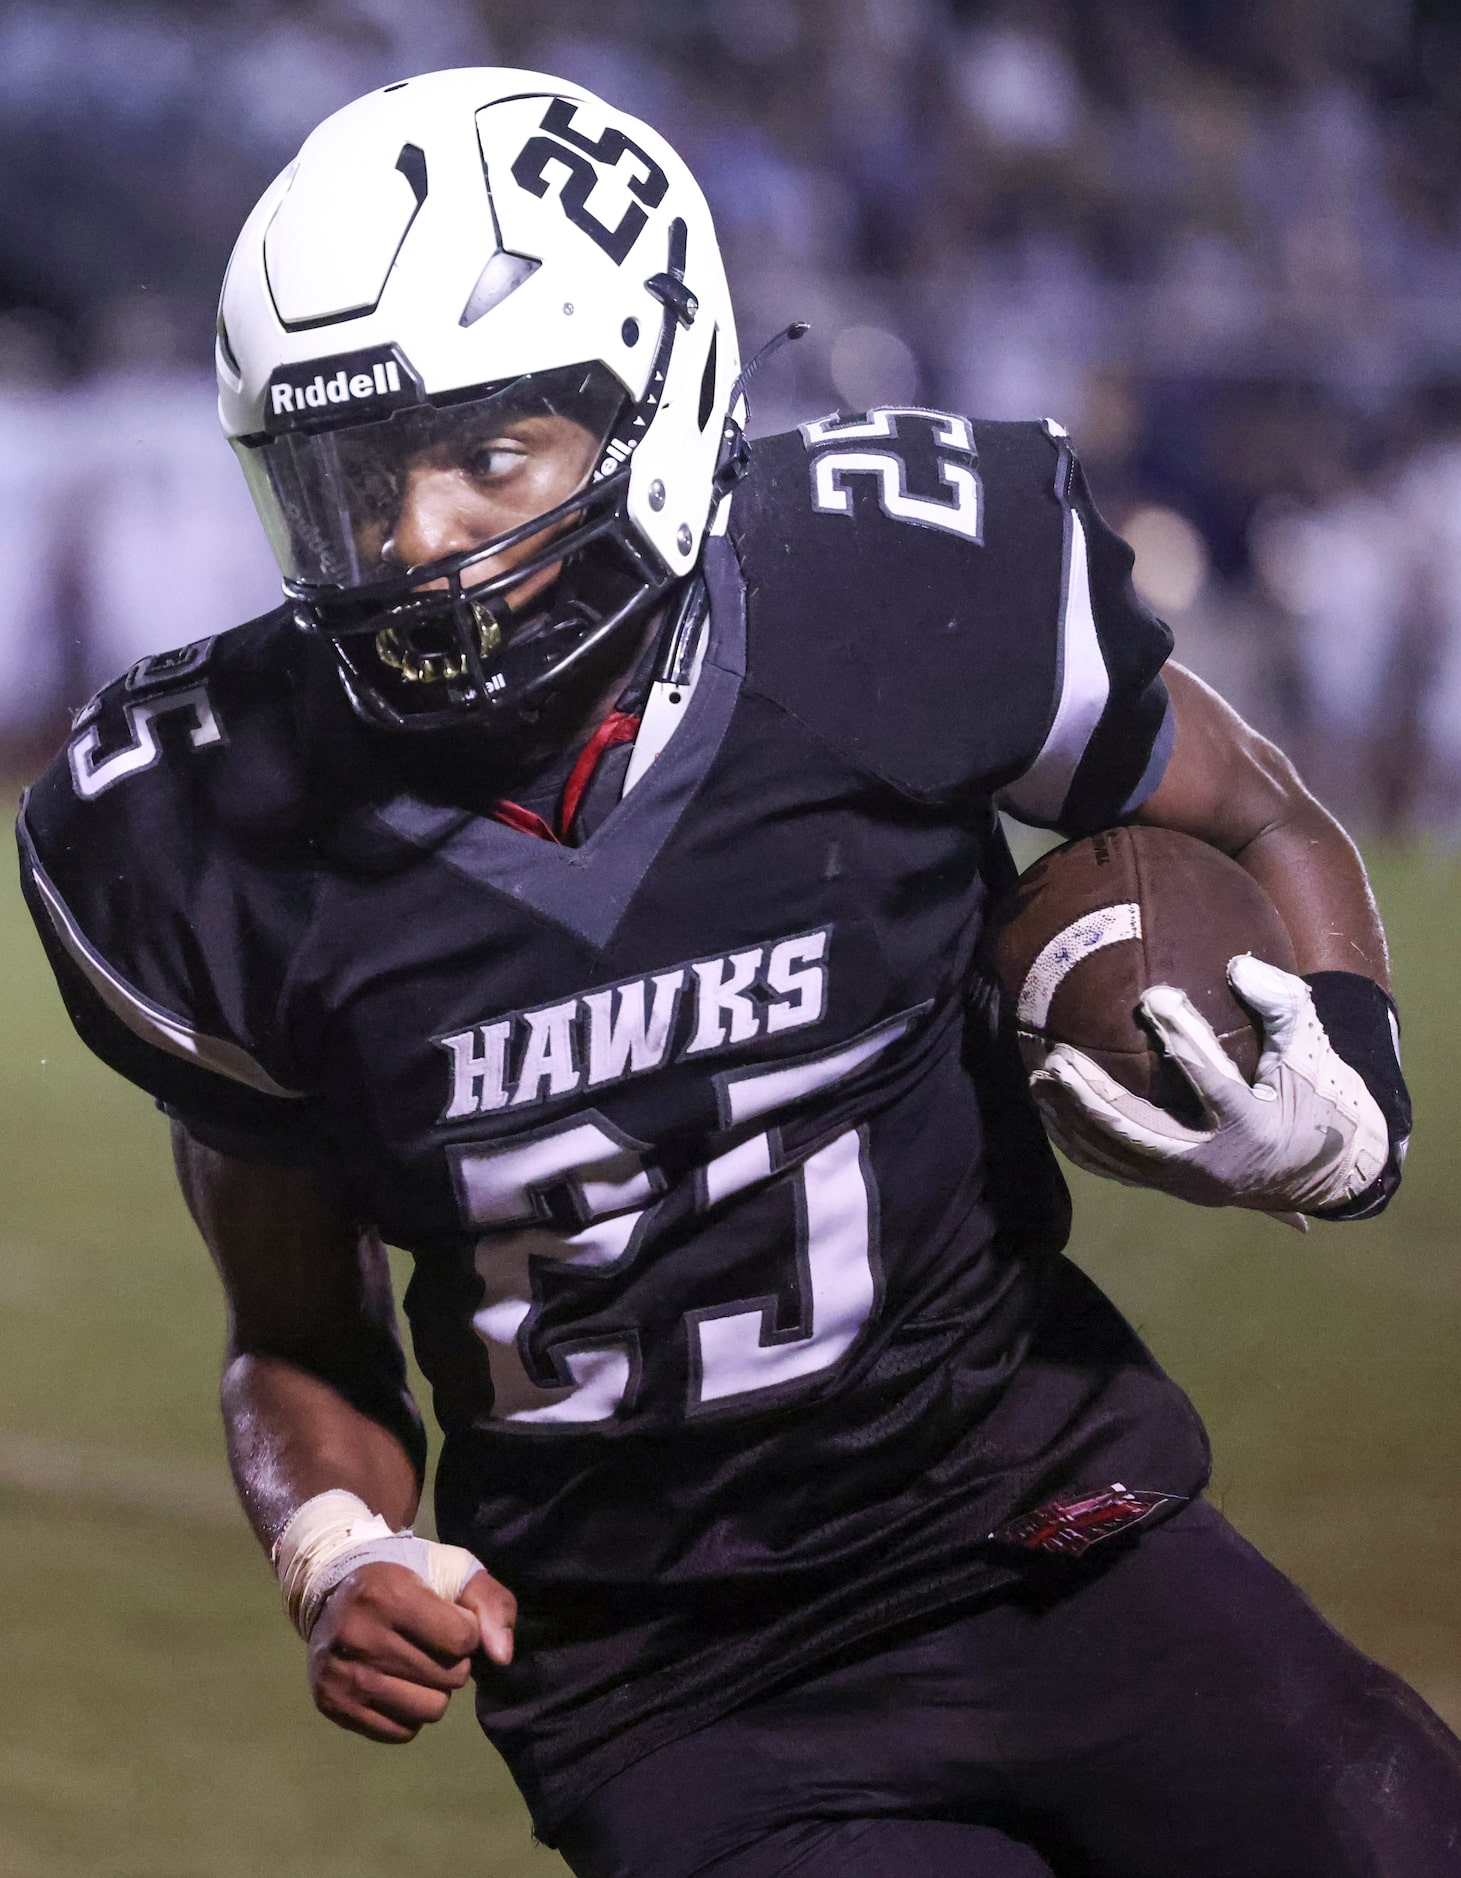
[
  {"x": 149, "y": 1021},
  {"x": 1085, "y": 685}
]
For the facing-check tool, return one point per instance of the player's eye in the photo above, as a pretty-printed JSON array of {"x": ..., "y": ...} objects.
[{"x": 494, "y": 459}]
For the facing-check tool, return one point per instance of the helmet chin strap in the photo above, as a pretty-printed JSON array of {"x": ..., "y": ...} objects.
[
  {"x": 798, "y": 329},
  {"x": 735, "y": 456}
]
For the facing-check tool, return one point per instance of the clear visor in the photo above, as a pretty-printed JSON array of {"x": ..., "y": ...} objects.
[{"x": 363, "y": 503}]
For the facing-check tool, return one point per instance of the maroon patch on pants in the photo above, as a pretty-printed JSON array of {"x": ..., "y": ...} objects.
[{"x": 1072, "y": 1523}]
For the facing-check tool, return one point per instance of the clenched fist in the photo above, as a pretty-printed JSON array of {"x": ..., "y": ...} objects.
[{"x": 386, "y": 1652}]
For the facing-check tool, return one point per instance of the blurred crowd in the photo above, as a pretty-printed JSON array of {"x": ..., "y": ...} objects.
[{"x": 1219, "y": 239}]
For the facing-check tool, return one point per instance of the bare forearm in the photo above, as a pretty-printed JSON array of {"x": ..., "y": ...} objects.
[
  {"x": 315, "y": 1401},
  {"x": 1315, "y": 877},
  {"x": 1229, "y": 786},
  {"x": 292, "y": 1435},
  {"x": 314, "y": 1385}
]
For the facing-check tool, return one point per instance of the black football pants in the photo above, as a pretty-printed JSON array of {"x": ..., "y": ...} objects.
[{"x": 1183, "y": 1712}]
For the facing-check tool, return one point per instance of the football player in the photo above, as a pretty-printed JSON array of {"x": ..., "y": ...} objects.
[{"x": 577, "y": 882}]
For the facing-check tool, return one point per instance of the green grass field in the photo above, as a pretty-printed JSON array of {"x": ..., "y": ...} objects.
[{"x": 155, "y": 1722}]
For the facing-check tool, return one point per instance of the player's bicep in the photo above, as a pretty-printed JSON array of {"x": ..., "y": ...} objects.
[
  {"x": 308, "y": 1287},
  {"x": 1224, "y": 782},
  {"x": 301, "y": 1270}
]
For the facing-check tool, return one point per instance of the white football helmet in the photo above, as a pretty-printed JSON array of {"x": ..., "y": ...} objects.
[{"x": 445, "y": 251}]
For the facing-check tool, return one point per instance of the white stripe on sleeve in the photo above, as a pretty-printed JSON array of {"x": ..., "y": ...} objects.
[
  {"x": 1039, "y": 795},
  {"x": 149, "y": 1021}
]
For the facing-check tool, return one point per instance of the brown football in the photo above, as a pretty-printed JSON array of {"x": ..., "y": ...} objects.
[{"x": 1092, "y": 924}]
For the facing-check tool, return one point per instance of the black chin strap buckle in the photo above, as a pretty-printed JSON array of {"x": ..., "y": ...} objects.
[
  {"x": 669, "y": 287},
  {"x": 735, "y": 453},
  {"x": 675, "y": 295},
  {"x": 735, "y": 460}
]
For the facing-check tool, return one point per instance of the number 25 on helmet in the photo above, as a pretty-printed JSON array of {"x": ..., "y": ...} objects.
[{"x": 476, "y": 354}]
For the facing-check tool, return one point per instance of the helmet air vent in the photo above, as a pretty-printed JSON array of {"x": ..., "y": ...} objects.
[
  {"x": 707, "y": 382},
  {"x": 412, "y": 165},
  {"x": 225, "y": 348},
  {"x": 503, "y": 274},
  {"x": 334, "y": 237}
]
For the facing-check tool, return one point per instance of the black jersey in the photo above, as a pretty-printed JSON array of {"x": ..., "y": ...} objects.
[{"x": 736, "y": 1238}]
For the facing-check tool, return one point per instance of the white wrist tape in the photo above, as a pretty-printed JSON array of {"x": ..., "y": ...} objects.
[{"x": 336, "y": 1533}]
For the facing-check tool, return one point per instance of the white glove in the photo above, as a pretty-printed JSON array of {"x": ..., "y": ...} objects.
[
  {"x": 336, "y": 1533},
  {"x": 1304, "y": 1135}
]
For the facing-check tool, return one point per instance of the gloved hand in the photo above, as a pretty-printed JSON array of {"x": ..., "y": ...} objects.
[{"x": 1304, "y": 1135}]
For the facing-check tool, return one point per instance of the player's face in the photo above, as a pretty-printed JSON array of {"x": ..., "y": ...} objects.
[{"x": 458, "y": 493}]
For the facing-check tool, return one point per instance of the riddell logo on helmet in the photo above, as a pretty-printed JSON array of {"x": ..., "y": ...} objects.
[
  {"x": 379, "y": 382},
  {"x": 340, "y": 389}
]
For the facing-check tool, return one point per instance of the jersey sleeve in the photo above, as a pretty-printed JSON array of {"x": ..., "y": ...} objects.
[
  {"x": 167, "y": 958},
  {"x": 941, "y": 601},
  {"x": 1110, "y": 729}
]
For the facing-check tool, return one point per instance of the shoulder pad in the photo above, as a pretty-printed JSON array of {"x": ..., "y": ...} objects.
[{"x": 904, "y": 571}]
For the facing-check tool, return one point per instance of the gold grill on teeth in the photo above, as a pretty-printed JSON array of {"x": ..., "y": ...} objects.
[{"x": 393, "y": 647}]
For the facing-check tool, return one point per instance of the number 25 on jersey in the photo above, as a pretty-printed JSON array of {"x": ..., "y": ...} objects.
[{"x": 833, "y": 463}]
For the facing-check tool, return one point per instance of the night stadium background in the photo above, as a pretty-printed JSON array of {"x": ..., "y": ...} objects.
[{"x": 1221, "y": 242}]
